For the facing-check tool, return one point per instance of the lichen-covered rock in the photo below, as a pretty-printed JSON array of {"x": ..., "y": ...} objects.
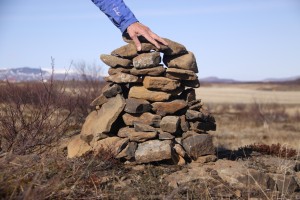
[
  {"x": 147, "y": 60},
  {"x": 122, "y": 78},
  {"x": 154, "y": 150}
]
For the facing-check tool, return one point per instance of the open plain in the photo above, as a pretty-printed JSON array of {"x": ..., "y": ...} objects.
[{"x": 248, "y": 113}]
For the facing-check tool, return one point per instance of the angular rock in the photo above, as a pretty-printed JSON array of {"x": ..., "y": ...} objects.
[
  {"x": 77, "y": 147},
  {"x": 114, "y": 61},
  {"x": 146, "y": 60},
  {"x": 192, "y": 115},
  {"x": 111, "y": 90},
  {"x": 135, "y": 136},
  {"x": 143, "y": 93},
  {"x": 199, "y": 145},
  {"x": 192, "y": 84},
  {"x": 180, "y": 74},
  {"x": 188, "y": 95},
  {"x": 160, "y": 83},
  {"x": 100, "y": 122},
  {"x": 165, "y": 108},
  {"x": 188, "y": 134},
  {"x": 165, "y": 136},
  {"x": 112, "y": 145},
  {"x": 154, "y": 150},
  {"x": 139, "y": 127},
  {"x": 203, "y": 126},
  {"x": 174, "y": 48},
  {"x": 179, "y": 150},
  {"x": 153, "y": 71},
  {"x": 99, "y": 101},
  {"x": 122, "y": 78},
  {"x": 130, "y": 51},
  {"x": 186, "y": 61},
  {"x": 129, "y": 151},
  {"x": 181, "y": 161},
  {"x": 170, "y": 124},
  {"x": 137, "y": 106},
  {"x": 126, "y": 51},
  {"x": 112, "y": 71},
  {"x": 144, "y": 118},
  {"x": 184, "y": 125},
  {"x": 206, "y": 159}
]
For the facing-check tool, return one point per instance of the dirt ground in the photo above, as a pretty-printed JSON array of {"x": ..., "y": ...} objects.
[{"x": 253, "y": 113}]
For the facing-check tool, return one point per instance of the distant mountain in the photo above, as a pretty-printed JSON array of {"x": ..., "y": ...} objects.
[
  {"x": 34, "y": 74},
  {"x": 294, "y": 78},
  {"x": 214, "y": 79}
]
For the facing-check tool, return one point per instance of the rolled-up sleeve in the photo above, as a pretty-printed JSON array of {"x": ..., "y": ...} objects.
[{"x": 117, "y": 12}]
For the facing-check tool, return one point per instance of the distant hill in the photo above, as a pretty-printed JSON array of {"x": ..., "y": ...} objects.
[
  {"x": 214, "y": 79},
  {"x": 34, "y": 74}
]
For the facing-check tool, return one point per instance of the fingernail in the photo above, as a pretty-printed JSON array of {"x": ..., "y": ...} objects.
[{"x": 139, "y": 48}]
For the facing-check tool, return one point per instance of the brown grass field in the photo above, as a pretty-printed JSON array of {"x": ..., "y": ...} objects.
[{"x": 254, "y": 113}]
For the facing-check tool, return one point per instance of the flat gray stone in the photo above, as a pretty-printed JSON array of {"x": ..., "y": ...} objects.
[{"x": 154, "y": 150}]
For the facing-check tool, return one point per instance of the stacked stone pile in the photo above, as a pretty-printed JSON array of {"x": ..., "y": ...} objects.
[{"x": 148, "y": 111}]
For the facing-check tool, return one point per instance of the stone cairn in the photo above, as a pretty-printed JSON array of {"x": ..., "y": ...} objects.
[{"x": 148, "y": 112}]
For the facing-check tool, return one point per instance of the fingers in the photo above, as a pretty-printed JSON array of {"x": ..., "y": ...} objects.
[
  {"x": 137, "y": 43},
  {"x": 136, "y": 29}
]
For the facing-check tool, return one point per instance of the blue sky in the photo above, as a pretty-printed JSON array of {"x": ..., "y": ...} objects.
[{"x": 239, "y": 39}]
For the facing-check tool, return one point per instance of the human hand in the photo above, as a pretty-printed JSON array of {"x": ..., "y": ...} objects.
[{"x": 136, "y": 29}]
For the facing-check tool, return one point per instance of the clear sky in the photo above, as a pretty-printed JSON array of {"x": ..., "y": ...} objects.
[{"x": 239, "y": 39}]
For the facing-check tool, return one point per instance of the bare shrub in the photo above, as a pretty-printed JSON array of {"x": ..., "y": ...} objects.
[
  {"x": 35, "y": 115},
  {"x": 274, "y": 150}
]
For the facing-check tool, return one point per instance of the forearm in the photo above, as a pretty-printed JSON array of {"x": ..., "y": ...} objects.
[{"x": 117, "y": 12}]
